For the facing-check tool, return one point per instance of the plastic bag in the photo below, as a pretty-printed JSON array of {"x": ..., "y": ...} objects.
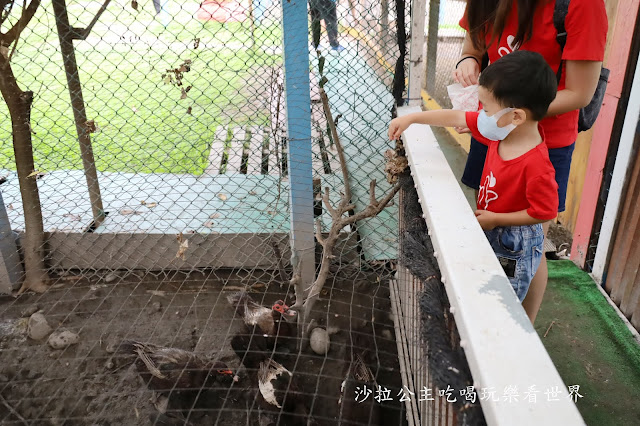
[{"x": 463, "y": 98}]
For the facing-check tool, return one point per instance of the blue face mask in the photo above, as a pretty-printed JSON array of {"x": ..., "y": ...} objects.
[{"x": 488, "y": 126}]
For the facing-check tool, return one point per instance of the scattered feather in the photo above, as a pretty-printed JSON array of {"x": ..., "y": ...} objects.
[{"x": 182, "y": 248}]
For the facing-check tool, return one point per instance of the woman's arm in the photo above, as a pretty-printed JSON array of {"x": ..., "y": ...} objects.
[
  {"x": 467, "y": 71},
  {"x": 441, "y": 117},
  {"x": 581, "y": 80}
]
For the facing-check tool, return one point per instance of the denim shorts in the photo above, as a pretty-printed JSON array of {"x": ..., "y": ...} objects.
[
  {"x": 560, "y": 158},
  {"x": 519, "y": 250}
]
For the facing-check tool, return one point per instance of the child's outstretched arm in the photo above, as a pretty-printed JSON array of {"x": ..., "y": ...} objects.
[{"x": 441, "y": 117}]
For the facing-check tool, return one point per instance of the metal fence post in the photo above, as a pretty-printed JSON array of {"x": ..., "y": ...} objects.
[
  {"x": 432, "y": 45},
  {"x": 416, "y": 52},
  {"x": 67, "y": 34},
  {"x": 11, "y": 271},
  {"x": 298, "y": 103}
]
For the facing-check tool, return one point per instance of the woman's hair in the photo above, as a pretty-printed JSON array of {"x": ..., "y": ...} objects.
[
  {"x": 521, "y": 79},
  {"x": 484, "y": 16}
]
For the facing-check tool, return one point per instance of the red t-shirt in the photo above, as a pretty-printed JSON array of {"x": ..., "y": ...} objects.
[
  {"x": 586, "y": 25},
  {"x": 526, "y": 182}
]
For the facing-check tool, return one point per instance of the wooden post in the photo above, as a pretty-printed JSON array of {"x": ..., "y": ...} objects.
[
  {"x": 67, "y": 34},
  {"x": 432, "y": 45},
  {"x": 618, "y": 181},
  {"x": 298, "y": 104},
  {"x": 625, "y": 20},
  {"x": 416, "y": 52}
]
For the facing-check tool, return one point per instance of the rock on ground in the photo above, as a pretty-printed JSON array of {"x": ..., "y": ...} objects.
[
  {"x": 38, "y": 328},
  {"x": 320, "y": 341},
  {"x": 63, "y": 339}
]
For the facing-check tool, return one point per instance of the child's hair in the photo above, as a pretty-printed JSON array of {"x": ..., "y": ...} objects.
[{"x": 521, "y": 79}]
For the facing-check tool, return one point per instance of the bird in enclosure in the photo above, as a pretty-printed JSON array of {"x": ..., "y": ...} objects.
[
  {"x": 181, "y": 375},
  {"x": 278, "y": 392},
  {"x": 357, "y": 405},
  {"x": 273, "y": 322}
]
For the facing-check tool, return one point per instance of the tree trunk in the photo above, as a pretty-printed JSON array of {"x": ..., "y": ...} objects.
[{"x": 19, "y": 104}]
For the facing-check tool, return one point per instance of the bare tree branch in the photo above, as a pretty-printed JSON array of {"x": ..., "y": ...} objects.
[
  {"x": 338, "y": 222},
  {"x": 373, "y": 210},
  {"x": 14, "y": 32},
  {"x": 328, "y": 244},
  {"x": 319, "y": 232},
  {"x": 336, "y": 138},
  {"x": 372, "y": 193},
  {"x": 296, "y": 282},
  {"x": 327, "y": 204},
  {"x": 6, "y": 6}
]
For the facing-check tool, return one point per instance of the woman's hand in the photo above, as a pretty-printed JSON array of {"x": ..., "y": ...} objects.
[
  {"x": 397, "y": 126},
  {"x": 467, "y": 72}
]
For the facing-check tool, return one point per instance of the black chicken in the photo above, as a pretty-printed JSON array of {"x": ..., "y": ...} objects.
[
  {"x": 357, "y": 404},
  {"x": 277, "y": 388},
  {"x": 186, "y": 378},
  {"x": 272, "y": 322}
]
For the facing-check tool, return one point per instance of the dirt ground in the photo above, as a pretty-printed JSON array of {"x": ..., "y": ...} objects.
[
  {"x": 87, "y": 384},
  {"x": 560, "y": 236}
]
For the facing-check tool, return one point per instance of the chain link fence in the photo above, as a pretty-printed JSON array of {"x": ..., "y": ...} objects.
[
  {"x": 176, "y": 199},
  {"x": 159, "y": 137},
  {"x": 444, "y": 48}
]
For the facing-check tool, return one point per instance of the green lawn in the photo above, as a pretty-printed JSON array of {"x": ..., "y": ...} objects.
[
  {"x": 143, "y": 124},
  {"x": 591, "y": 347},
  {"x": 450, "y": 27}
]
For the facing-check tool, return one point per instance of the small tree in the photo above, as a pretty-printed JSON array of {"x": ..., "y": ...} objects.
[
  {"x": 306, "y": 293},
  {"x": 19, "y": 103}
]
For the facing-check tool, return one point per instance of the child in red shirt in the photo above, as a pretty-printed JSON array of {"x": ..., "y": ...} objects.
[{"x": 518, "y": 191}]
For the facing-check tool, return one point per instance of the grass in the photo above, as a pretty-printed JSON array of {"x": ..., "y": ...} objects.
[
  {"x": 591, "y": 347},
  {"x": 450, "y": 27},
  {"x": 144, "y": 125}
]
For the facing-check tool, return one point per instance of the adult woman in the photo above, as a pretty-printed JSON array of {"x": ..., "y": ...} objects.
[{"x": 498, "y": 27}]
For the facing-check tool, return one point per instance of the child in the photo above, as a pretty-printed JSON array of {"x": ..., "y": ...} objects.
[{"x": 518, "y": 191}]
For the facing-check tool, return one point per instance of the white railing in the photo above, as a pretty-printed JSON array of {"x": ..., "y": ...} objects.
[{"x": 502, "y": 348}]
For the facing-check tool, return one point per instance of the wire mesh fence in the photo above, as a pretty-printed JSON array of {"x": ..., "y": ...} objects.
[
  {"x": 160, "y": 142},
  {"x": 179, "y": 100},
  {"x": 443, "y": 51}
]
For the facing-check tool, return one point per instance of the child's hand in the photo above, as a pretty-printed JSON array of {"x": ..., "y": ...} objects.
[
  {"x": 397, "y": 126},
  {"x": 462, "y": 130},
  {"x": 486, "y": 219}
]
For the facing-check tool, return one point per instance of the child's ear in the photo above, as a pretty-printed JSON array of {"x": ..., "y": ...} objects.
[{"x": 519, "y": 116}]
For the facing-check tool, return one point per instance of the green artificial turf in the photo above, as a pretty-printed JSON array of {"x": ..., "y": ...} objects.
[{"x": 591, "y": 347}]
